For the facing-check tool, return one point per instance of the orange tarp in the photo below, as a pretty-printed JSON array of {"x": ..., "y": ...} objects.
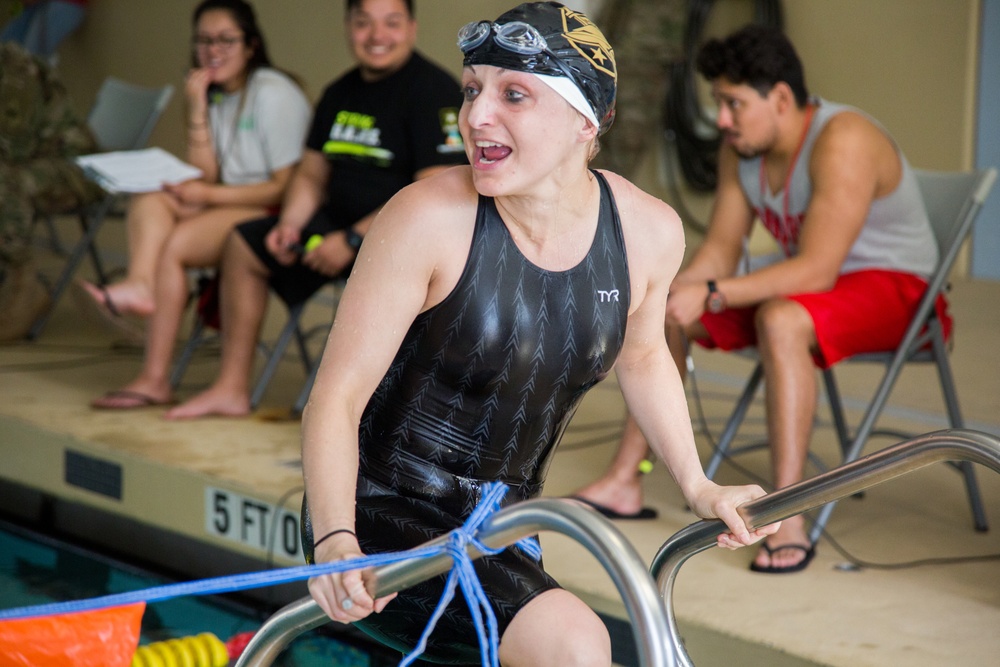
[{"x": 102, "y": 638}]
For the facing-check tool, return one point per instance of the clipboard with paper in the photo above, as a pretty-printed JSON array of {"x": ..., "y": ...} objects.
[{"x": 136, "y": 171}]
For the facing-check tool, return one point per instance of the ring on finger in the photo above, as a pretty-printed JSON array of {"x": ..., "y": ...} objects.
[{"x": 347, "y": 604}]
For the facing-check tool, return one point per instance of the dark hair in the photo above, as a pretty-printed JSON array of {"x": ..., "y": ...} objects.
[
  {"x": 243, "y": 14},
  {"x": 759, "y": 56},
  {"x": 354, "y": 4}
]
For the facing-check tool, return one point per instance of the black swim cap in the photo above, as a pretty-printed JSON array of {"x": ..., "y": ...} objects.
[{"x": 572, "y": 39}]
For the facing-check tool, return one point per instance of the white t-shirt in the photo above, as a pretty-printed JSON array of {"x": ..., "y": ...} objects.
[{"x": 270, "y": 133}]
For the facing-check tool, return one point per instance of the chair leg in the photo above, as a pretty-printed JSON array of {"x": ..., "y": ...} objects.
[
  {"x": 300, "y": 402},
  {"x": 739, "y": 412},
  {"x": 313, "y": 369},
  {"x": 86, "y": 244},
  {"x": 836, "y": 410},
  {"x": 822, "y": 517},
  {"x": 194, "y": 341},
  {"x": 304, "y": 356},
  {"x": 290, "y": 329},
  {"x": 856, "y": 444},
  {"x": 55, "y": 242},
  {"x": 956, "y": 420},
  {"x": 975, "y": 498},
  {"x": 95, "y": 256}
]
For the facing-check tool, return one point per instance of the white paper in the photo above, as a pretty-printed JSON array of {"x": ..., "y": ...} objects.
[{"x": 143, "y": 170}]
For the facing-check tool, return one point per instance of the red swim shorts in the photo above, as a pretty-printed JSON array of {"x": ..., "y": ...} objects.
[{"x": 866, "y": 311}]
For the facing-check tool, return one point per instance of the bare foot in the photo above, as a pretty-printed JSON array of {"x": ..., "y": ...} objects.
[
  {"x": 122, "y": 298},
  {"x": 139, "y": 393},
  {"x": 212, "y": 401},
  {"x": 791, "y": 533},
  {"x": 622, "y": 496}
]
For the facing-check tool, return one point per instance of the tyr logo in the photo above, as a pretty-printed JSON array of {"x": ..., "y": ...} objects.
[{"x": 607, "y": 296}]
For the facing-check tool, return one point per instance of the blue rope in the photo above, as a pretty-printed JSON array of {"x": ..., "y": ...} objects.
[{"x": 462, "y": 574}]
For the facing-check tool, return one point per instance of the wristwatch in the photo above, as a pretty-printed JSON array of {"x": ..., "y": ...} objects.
[
  {"x": 353, "y": 239},
  {"x": 716, "y": 301}
]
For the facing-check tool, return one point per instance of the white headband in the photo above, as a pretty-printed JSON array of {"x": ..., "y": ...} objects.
[{"x": 571, "y": 93}]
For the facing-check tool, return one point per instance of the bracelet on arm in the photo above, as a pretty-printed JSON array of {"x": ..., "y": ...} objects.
[{"x": 331, "y": 534}]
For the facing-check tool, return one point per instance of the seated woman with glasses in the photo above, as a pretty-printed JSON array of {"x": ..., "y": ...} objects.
[
  {"x": 246, "y": 126},
  {"x": 487, "y": 300}
]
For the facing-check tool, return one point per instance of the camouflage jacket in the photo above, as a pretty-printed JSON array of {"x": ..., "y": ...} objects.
[{"x": 40, "y": 133}]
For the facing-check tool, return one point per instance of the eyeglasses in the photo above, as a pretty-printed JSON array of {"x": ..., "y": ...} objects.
[
  {"x": 517, "y": 37},
  {"x": 225, "y": 42}
]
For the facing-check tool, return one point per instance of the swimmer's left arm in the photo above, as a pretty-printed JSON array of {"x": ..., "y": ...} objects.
[
  {"x": 648, "y": 376},
  {"x": 645, "y": 370}
]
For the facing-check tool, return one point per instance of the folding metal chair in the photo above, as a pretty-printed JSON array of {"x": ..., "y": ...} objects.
[
  {"x": 122, "y": 118},
  {"x": 272, "y": 352},
  {"x": 953, "y": 200}
]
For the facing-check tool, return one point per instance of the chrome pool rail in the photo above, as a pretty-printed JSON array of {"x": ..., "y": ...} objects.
[
  {"x": 881, "y": 466},
  {"x": 628, "y": 571}
]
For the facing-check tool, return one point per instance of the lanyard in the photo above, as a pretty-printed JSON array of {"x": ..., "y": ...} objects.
[{"x": 810, "y": 110}]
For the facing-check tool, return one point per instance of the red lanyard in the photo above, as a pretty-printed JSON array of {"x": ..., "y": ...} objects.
[{"x": 810, "y": 109}]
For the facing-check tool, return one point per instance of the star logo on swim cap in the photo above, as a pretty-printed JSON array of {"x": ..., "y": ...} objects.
[{"x": 589, "y": 42}]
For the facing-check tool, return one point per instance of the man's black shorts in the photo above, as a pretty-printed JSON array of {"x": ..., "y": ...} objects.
[{"x": 294, "y": 283}]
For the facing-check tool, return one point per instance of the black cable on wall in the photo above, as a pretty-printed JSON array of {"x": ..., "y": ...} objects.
[{"x": 688, "y": 129}]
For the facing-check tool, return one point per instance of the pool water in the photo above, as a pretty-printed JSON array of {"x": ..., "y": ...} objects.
[{"x": 38, "y": 570}]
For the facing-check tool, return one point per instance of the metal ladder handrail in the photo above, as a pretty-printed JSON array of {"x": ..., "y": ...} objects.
[
  {"x": 846, "y": 480},
  {"x": 628, "y": 571}
]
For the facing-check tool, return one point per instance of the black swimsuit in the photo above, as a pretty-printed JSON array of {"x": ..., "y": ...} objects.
[{"x": 482, "y": 389}]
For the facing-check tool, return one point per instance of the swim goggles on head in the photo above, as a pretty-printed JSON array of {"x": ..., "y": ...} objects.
[{"x": 517, "y": 37}]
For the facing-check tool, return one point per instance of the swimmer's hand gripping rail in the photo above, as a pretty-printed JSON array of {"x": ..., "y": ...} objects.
[
  {"x": 891, "y": 462},
  {"x": 628, "y": 571}
]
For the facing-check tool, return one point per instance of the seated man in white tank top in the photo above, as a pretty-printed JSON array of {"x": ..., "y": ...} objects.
[{"x": 839, "y": 198}]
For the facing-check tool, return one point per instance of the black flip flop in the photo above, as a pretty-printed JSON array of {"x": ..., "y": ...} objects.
[
  {"x": 644, "y": 514},
  {"x": 809, "y": 551}
]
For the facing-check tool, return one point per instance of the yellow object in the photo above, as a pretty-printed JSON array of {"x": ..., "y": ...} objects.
[
  {"x": 204, "y": 650},
  {"x": 645, "y": 466},
  {"x": 314, "y": 242}
]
